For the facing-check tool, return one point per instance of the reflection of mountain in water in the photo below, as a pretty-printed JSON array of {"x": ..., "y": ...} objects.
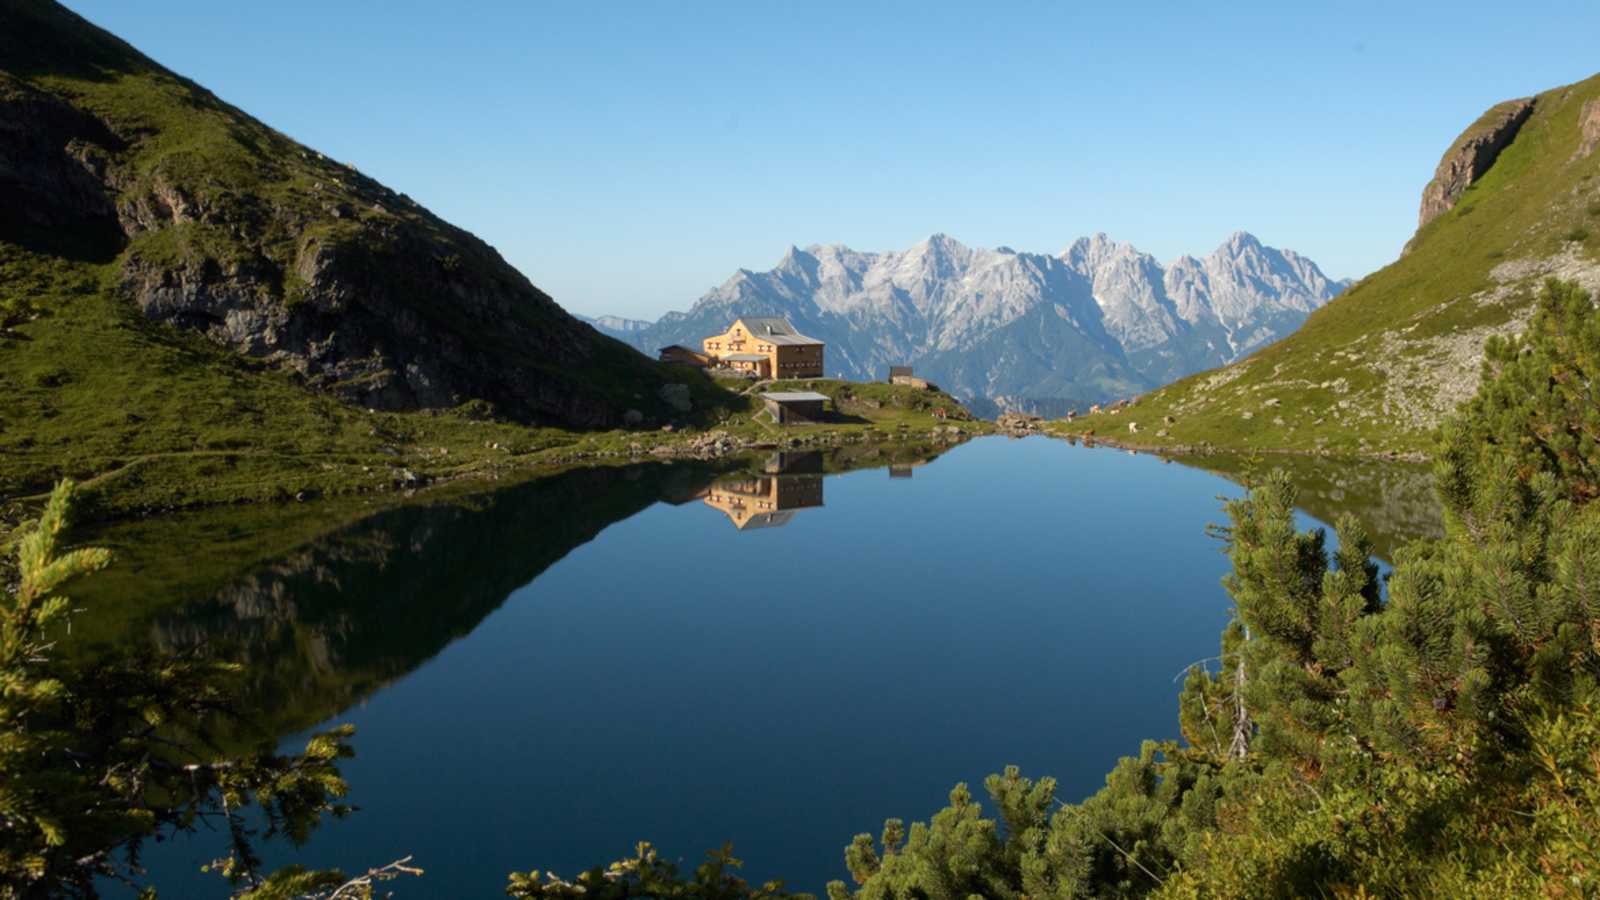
[
  {"x": 326, "y": 625},
  {"x": 321, "y": 627},
  {"x": 1394, "y": 500},
  {"x": 788, "y": 482}
]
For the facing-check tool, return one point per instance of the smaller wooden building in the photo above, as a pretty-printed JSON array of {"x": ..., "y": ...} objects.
[
  {"x": 795, "y": 407},
  {"x": 678, "y": 353},
  {"x": 902, "y": 375}
]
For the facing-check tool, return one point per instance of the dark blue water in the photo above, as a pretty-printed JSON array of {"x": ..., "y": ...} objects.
[{"x": 680, "y": 680}]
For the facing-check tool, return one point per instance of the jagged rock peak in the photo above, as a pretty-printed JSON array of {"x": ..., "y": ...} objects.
[{"x": 1239, "y": 243}]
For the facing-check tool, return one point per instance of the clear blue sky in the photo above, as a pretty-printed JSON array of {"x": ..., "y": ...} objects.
[{"x": 628, "y": 157}]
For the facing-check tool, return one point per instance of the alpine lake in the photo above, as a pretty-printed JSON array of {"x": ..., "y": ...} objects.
[{"x": 780, "y": 651}]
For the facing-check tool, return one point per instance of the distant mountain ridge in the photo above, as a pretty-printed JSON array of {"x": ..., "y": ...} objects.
[
  {"x": 616, "y": 326},
  {"x": 1007, "y": 330}
]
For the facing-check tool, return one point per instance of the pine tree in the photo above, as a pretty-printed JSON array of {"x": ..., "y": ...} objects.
[
  {"x": 97, "y": 759},
  {"x": 1440, "y": 742}
]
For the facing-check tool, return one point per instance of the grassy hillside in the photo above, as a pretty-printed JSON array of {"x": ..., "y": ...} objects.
[
  {"x": 196, "y": 309},
  {"x": 1376, "y": 369},
  {"x": 210, "y": 220}
]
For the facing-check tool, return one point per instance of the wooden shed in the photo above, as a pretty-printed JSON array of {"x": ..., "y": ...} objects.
[
  {"x": 678, "y": 353},
  {"x": 788, "y": 407}
]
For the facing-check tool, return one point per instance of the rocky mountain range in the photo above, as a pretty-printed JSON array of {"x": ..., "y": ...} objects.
[
  {"x": 616, "y": 326},
  {"x": 1008, "y": 330}
]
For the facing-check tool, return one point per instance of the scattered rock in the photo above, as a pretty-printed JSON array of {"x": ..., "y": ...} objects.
[
  {"x": 1017, "y": 422},
  {"x": 1588, "y": 129},
  {"x": 676, "y": 396}
]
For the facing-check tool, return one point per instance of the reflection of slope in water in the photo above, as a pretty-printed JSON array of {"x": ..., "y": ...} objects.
[
  {"x": 318, "y": 629},
  {"x": 1394, "y": 500},
  {"x": 321, "y": 626}
]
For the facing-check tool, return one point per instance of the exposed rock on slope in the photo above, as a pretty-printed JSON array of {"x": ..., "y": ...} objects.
[
  {"x": 1589, "y": 128},
  {"x": 216, "y": 222},
  {"x": 52, "y": 198},
  {"x": 1002, "y": 329},
  {"x": 1471, "y": 155}
]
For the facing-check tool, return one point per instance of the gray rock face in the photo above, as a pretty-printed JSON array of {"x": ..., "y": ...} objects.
[
  {"x": 52, "y": 165},
  {"x": 1471, "y": 156},
  {"x": 676, "y": 396},
  {"x": 1027, "y": 331},
  {"x": 1589, "y": 128}
]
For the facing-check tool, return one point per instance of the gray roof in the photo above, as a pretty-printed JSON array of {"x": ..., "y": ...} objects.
[
  {"x": 746, "y": 357},
  {"x": 776, "y": 330},
  {"x": 788, "y": 340},
  {"x": 794, "y": 396},
  {"x": 682, "y": 347}
]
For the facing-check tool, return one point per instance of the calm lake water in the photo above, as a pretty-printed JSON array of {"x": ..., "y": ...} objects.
[{"x": 777, "y": 657}]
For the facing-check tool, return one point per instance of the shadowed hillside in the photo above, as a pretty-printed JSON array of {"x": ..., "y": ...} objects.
[{"x": 178, "y": 277}]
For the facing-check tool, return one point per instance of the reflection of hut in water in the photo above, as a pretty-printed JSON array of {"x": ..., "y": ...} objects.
[
  {"x": 903, "y": 469},
  {"x": 769, "y": 500},
  {"x": 798, "y": 462}
]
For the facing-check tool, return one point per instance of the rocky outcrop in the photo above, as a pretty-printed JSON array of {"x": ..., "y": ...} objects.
[
  {"x": 1588, "y": 128},
  {"x": 1471, "y": 155},
  {"x": 1018, "y": 423},
  {"x": 52, "y": 162}
]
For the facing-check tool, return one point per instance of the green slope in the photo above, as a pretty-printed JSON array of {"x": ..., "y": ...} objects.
[
  {"x": 1376, "y": 369},
  {"x": 142, "y": 220}
]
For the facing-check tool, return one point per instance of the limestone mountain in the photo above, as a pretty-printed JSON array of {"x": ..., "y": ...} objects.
[
  {"x": 1515, "y": 200},
  {"x": 1003, "y": 329},
  {"x": 134, "y": 182},
  {"x": 616, "y": 326}
]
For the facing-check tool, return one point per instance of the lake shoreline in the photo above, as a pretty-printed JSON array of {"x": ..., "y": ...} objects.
[{"x": 1092, "y": 440}]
